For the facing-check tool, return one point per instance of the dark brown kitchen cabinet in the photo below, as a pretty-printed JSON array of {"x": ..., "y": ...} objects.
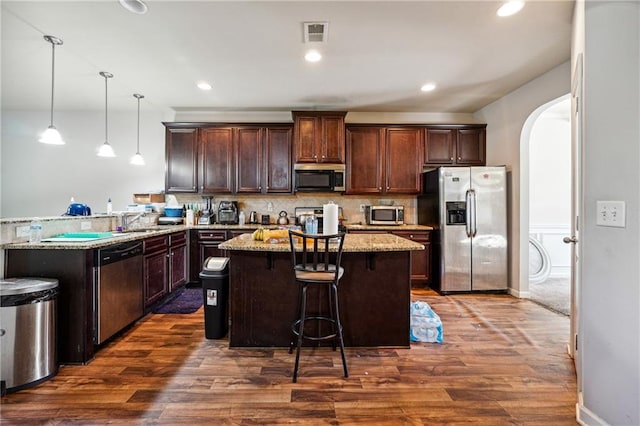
[
  {"x": 383, "y": 160},
  {"x": 461, "y": 145},
  {"x": 178, "y": 259},
  {"x": 263, "y": 160},
  {"x": 155, "y": 269},
  {"x": 421, "y": 260},
  {"x": 181, "y": 156},
  {"x": 319, "y": 136},
  {"x": 204, "y": 243},
  {"x": 216, "y": 160}
]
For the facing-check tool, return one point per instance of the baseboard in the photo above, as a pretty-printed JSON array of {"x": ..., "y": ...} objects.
[
  {"x": 519, "y": 294},
  {"x": 585, "y": 417}
]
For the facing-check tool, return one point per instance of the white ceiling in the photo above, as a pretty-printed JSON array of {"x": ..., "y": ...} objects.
[{"x": 377, "y": 56}]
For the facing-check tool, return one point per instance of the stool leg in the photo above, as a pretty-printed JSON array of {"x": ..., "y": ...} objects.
[
  {"x": 303, "y": 313},
  {"x": 293, "y": 334},
  {"x": 332, "y": 316},
  {"x": 339, "y": 326}
]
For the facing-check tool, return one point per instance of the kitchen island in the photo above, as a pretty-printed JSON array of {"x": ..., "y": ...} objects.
[{"x": 374, "y": 292}]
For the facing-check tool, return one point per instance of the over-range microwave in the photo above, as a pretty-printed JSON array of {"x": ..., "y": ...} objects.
[
  {"x": 384, "y": 215},
  {"x": 319, "y": 177}
]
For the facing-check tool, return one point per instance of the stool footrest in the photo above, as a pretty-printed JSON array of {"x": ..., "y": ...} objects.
[{"x": 295, "y": 328}]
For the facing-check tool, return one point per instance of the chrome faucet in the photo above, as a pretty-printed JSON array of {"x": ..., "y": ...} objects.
[{"x": 127, "y": 221}]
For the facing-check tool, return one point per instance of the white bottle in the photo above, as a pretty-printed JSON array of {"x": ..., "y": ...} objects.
[
  {"x": 241, "y": 218},
  {"x": 109, "y": 206},
  {"x": 190, "y": 217},
  {"x": 35, "y": 231}
]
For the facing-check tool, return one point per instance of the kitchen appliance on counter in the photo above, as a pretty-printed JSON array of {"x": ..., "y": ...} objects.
[
  {"x": 78, "y": 209},
  {"x": 384, "y": 215},
  {"x": 207, "y": 216},
  {"x": 468, "y": 207},
  {"x": 319, "y": 177},
  {"x": 228, "y": 212},
  {"x": 253, "y": 217},
  {"x": 302, "y": 213}
]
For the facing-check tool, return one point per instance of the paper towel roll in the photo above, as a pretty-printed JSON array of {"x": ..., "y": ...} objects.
[{"x": 330, "y": 219}]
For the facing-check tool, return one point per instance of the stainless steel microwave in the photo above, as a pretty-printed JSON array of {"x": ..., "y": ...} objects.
[
  {"x": 319, "y": 177},
  {"x": 384, "y": 215}
]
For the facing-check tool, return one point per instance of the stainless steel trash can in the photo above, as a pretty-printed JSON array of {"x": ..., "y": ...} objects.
[
  {"x": 27, "y": 332},
  {"x": 215, "y": 288}
]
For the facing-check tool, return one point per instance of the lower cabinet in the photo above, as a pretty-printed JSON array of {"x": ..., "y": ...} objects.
[
  {"x": 421, "y": 264},
  {"x": 165, "y": 265},
  {"x": 204, "y": 243}
]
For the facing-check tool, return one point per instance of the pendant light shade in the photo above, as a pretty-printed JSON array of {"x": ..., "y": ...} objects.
[
  {"x": 137, "y": 159},
  {"x": 105, "y": 149},
  {"x": 51, "y": 136}
]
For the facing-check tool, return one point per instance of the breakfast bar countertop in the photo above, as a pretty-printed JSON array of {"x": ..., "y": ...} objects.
[{"x": 352, "y": 243}]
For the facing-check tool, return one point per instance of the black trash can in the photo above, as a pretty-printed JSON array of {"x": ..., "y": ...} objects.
[
  {"x": 215, "y": 289},
  {"x": 27, "y": 332}
]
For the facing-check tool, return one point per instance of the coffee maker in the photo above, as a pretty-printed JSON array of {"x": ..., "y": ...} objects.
[{"x": 228, "y": 212}]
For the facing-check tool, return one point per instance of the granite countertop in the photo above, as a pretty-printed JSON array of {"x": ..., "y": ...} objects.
[
  {"x": 352, "y": 243},
  {"x": 118, "y": 237},
  {"x": 405, "y": 227}
]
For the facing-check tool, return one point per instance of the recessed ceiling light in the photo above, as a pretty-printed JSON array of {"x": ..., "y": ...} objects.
[
  {"x": 428, "y": 87},
  {"x": 510, "y": 8},
  {"x": 134, "y": 6},
  {"x": 312, "y": 56},
  {"x": 203, "y": 85}
]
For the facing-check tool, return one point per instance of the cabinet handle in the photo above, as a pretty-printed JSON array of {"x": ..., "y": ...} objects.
[
  {"x": 379, "y": 188},
  {"x": 459, "y": 158},
  {"x": 387, "y": 188},
  {"x": 451, "y": 159},
  {"x": 410, "y": 235},
  {"x": 323, "y": 156}
]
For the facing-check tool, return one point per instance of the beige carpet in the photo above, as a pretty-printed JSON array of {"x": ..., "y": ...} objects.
[{"x": 554, "y": 294}]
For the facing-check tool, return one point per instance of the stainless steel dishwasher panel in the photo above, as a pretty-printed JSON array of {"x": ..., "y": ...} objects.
[{"x": 119, "y": 289}]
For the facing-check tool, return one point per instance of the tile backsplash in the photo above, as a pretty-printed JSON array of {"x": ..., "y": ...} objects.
[{"x": 350, "y": 204}]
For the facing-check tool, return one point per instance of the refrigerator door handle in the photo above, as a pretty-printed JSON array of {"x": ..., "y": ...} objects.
[
  {"x": 468, "y": 224},
  {"x": 472, "y": 208}
]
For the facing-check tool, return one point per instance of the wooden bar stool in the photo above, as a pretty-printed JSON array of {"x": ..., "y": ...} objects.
[{"x": 312, "y": 267}]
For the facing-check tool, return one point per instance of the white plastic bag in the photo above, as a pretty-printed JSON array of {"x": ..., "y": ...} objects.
[{"x": 426, "y": 325}]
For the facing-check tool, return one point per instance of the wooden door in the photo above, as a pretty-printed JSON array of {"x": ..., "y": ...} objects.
[
  {"x": 249, "y": 161},
  {"x": 470, "y": 147},
  {"x": 278, "y": 159},
  {"x": 305, "y": 135},
  {"x": 181, "y": 156},
  {"x": 365, "y": 154},
  {"x": 403, "y": 160},
  {"x": 217, "y": 160},
  {"x": 331, "y": 143},
  {"x": 155, "y": 276},
  {"x": 439, "y": 145}
]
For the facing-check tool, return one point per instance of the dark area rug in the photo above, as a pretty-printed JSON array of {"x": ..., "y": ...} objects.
[{"x": 186, "y": 302}]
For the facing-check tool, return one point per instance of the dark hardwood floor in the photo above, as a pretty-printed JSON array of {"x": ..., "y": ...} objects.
[{"x": 503, "y": 362}]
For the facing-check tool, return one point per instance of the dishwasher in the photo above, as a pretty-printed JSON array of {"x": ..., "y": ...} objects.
[{"x": 119, "y": 289}]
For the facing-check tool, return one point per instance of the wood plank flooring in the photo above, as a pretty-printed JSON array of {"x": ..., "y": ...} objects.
[{"x": 503, "y": 362}]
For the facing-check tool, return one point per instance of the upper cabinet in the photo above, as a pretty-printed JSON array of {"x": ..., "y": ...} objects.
[
  {"x": 229, "y": 159},
  {"x": 319, "y": 136},
  {"x": 181, "y": 156},
  {"x": 383, "y": 160},
  {"x": 455, "y": 145}
]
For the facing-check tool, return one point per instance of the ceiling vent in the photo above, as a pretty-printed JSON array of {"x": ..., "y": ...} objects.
[{"x": 316, "y": 32}]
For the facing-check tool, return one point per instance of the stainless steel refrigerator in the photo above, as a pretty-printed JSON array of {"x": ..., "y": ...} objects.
[{"x": 468, "y": 207}]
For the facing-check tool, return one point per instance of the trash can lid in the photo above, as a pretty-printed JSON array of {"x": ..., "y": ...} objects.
[
  {"x": 14, "y": 286},
  {"x": 215, "y": 263}
]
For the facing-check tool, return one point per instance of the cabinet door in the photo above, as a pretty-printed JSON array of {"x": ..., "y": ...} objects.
[
  {"x": 306, "y": 134},
  {"x": 217, "y": 160},
  {"x": 439, "y": 145},
  {"x": 331, "y": 143},
  {"x": 364, "y": 160},
  {"x": 470, "y": 147},
  {"x": 403, "y": 158},
  {"x": 278, "y": 159},
  {"x": 181, "y": 156},
  {"x": 177, "y": 266},
  {"x": 249, "y": 161},
  {"x": 155, "y": 276}
]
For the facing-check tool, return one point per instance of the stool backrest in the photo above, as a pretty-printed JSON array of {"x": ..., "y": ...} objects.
[{"x": 311, "y": 252}]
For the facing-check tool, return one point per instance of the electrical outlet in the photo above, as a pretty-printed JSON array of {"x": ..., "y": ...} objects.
[
  {"x": 22, "y": 231},
  {"x": 611, "y": 213},
  {"x": 85, "y": 226},
  {"x": 362, "y": 207}
]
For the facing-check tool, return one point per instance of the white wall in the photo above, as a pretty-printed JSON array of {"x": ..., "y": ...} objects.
[
  {"x": 39, "y": 180},
  {"x": 609, "y": 325},
  {"x": 505, "y": 120}
]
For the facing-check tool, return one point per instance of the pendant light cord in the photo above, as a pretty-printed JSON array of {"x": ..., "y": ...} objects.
[
  {"x": 53, "y": 79},
  {"x": 106, "y": 139},
  {"x": 138, "y": 144}
]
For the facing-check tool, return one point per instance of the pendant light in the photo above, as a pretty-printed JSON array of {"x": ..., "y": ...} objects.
[
  {"x": 51, "y": 136},
  {"x": 137, "y": 159},
  {"x": 105, "y": 149}
]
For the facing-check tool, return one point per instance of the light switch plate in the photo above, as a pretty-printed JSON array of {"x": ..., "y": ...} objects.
[
  {"x": 611, "y": 213},
  {"x": 22, "y": 231},
  {"x": 85, "y": 226}
]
